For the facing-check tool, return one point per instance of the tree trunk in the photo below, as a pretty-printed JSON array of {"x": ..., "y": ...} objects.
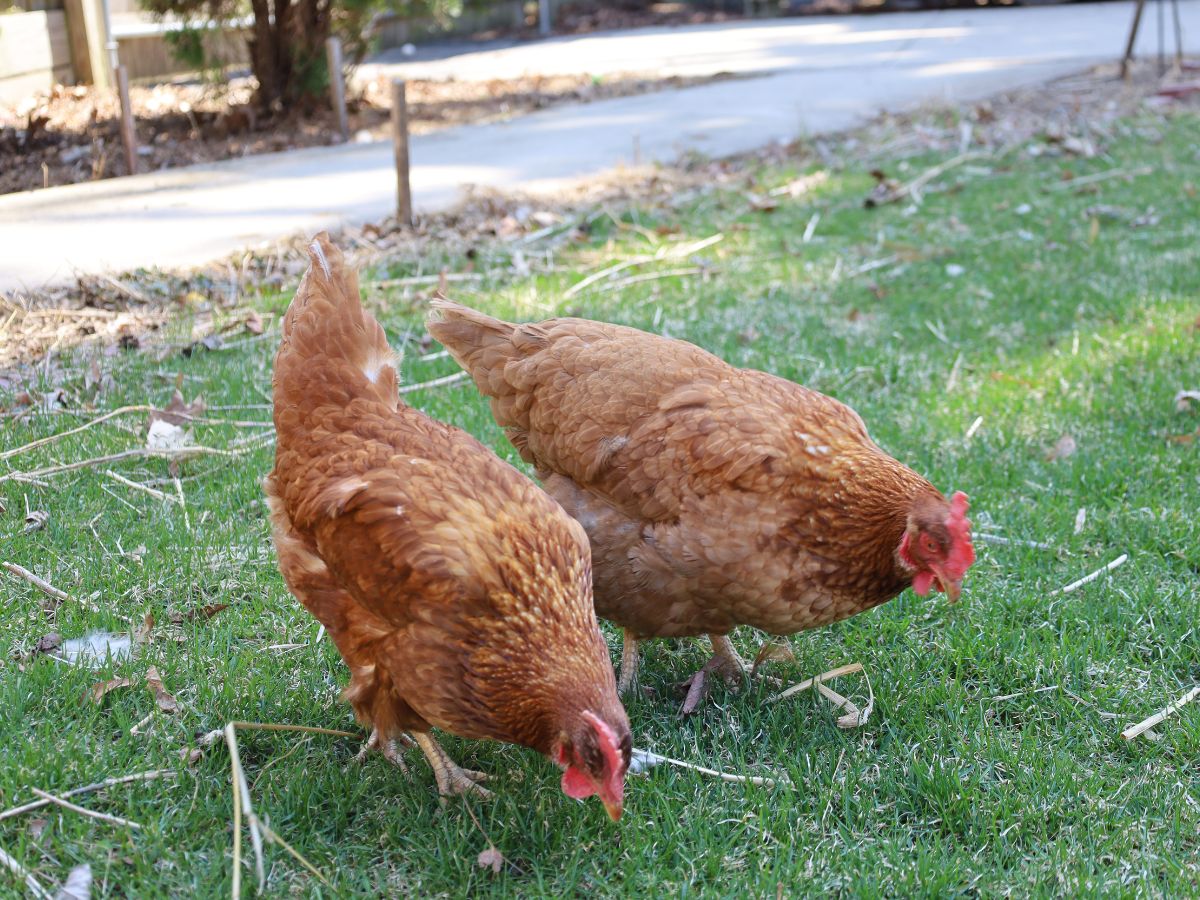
[{"x": 287, "y": 50}]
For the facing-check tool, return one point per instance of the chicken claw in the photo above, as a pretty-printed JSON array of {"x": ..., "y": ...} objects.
[
  {"x": 451, "y": 779},
  {"x": 724, "y": 662},
  {"x": 387, "y": 749}
]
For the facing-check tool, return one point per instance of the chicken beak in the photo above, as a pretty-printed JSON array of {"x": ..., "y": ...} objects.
[
  {"x": 614, "y": 806},
  {"x": 952, "y": 586}
]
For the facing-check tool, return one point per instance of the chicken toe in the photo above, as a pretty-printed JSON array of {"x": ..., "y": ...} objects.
[
  {"x": 629, "y": 665},
  {"x": 451, "y": 779},
  {"x": 387, "y": 749}
]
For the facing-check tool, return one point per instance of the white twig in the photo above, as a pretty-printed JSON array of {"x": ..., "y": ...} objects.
[
  {"x": 1011, "y": 542},
  {"x": 1080, "y": 519},
  {"x": 242, "y": 806},
  {"x": 849, "y": 669},
  {"x": 444, "y": 381},
  {"x": 34, "y": 886},
  {"x": 84, "y": 811},
  {"x": 975, "y": 426},
  {"x": 650, "y": 758},
  {"x": 41, "y": 584},
  {"x": 153, "y": 492},
  {"x": 136, "y": 453},
  {"x": 1088, "y": 579},
  {"x": 811, "y": 227},
  {"x": 1141, "y": 727},
  {"x": 41, "y": 442},
  {"x": 1099, "y": 176},
  {"x": 88, "y": 788}
]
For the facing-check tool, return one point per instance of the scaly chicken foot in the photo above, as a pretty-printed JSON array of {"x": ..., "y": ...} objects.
[
  {"x": 724, "y": 662},
  {"x": 387, "y": 749},
  {"x": 451, "y": 778},
  {"x": 629, "y": 665}
]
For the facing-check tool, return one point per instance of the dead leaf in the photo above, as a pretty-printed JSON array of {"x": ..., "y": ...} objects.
[
  {"x": 36, "y": 521},
  {"x": 1065, "y": 446},
  {"x": 762, "y": 204},
  {"x": 165, "y": 701},
  {"x": 101, "y": 688},
  {"x": 78, "y": 885},
  {"x": 1093, "y": 230},
  {"x": 191, "y": 755},
  {"x": 48, "y": 643},
  {"x": 491, "y": 858},
  {"x": 143, "y": 634},
  {"x": 37, "y": 826},
  {"x": 772, "y": 651},
  {"x": 178, "y": 411},
  {"x": 254, "y": 323},
  {"x": 1183, "y": 438},
  {"x": 204, "y": 612}
]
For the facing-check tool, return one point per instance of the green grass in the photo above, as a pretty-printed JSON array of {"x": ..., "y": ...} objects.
[{"x": 992, "y": 764}]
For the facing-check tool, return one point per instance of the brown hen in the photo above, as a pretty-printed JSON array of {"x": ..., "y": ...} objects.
[
  {"x": 457, "y": 592},
  {"x": 713, "y": 496}
]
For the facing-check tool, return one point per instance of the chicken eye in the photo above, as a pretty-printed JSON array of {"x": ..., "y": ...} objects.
[{"x": 928, "y": 544}]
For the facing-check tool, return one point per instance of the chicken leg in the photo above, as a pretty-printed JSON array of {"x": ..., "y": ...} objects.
[
  {"x": 629, "y": 665},
  {"x": 724, "y": 662},
  {"x": 451, "y": 779}
]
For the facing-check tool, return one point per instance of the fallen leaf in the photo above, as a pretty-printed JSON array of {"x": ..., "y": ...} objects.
[
  {"x": 144, "y": 631},
  {"x": 35, "y": 521},
  {"x": 762, "y": 204},
  {"x": 191, "y": 755},
  {"x": 78, "y": 885},
  {"x": 1183, "y": 438},
  {"x": 48, "y": 643},
  {"x": 165, "y": 701},
  {"x": 254, "y": 323},
  {"x": 178, "y": 411},
  {"x": 1063, "y": 447},
  {"x": 204, "y": 612},
  {"x": 101, "y": 688},
  {"x": 772, "y": 651},
  {"x": 491, "y": 858},
  {"x": 37, "y": 826}
]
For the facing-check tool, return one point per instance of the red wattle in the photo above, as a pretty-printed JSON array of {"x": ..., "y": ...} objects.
[{"x": 576, "y": 785}]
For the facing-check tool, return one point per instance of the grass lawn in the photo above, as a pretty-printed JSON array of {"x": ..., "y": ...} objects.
[{"x": 972, "y": 333}]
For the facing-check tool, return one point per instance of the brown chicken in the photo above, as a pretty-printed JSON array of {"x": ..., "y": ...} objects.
[
  {"x": 457, "y": 592},
  {"x": 713, "y": 496}
]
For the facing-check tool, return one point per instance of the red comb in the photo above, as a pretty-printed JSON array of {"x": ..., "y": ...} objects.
[{"x": 962, "y": 552}]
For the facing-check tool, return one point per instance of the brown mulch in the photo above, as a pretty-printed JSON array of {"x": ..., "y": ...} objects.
[{"x": 71, "y": 134}]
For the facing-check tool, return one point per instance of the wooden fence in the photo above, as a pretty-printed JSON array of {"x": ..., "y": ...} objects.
[{"x": 35, "y": 53}]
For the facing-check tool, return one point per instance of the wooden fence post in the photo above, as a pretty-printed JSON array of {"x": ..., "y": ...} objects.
[
  {"x": 400, "y": 143},
  {"x": 337, "y": 85},
  {"x": 128, "y": 137}
]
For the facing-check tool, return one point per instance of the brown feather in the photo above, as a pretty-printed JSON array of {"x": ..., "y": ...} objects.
[
  {"x": 457, "y": 591},
  {"x": 712, "y": 496}
]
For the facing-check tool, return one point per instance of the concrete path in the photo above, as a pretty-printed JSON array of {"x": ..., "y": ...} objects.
[{"x": 820, "y": 74}]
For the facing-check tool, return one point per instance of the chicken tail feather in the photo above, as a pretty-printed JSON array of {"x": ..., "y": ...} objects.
[
  {"x": 332, "y": 351},
  {"x": 484, "y": 345}
]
